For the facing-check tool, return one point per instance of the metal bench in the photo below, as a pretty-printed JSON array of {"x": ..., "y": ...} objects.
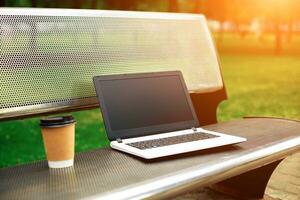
[{"x": 48, "y": 58}]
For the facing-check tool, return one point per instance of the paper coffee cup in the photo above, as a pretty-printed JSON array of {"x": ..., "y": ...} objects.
[{"x": 59, "y": 138}]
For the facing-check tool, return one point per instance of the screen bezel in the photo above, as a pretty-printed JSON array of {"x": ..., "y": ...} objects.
[{"x": 149, "y": 130}]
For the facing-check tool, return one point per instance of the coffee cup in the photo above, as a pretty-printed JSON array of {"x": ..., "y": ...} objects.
[{"x": 59, "y": 138}]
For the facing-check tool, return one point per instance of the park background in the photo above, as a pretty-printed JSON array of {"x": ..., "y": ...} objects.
[{"x": 258, "y": 42}]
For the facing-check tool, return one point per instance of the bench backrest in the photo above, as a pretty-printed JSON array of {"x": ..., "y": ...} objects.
[{"x": 49, "y": 56}]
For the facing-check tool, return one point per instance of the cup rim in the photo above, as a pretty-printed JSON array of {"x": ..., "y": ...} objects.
[{"x": 57, "y": 121}]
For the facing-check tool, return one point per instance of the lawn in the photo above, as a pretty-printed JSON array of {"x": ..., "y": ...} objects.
[
  {"x": 261, "y": 86},
  {"x": 258, "y": 84}
]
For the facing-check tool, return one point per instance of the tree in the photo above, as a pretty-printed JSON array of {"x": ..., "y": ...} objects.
[
  {"x": 121, "y": 5},
  {"x": 276, "y": 14},
  {"x": 217, "y": 10},
  {"x": 173, "y": 6},
  {"x": 199, "y": 6}
]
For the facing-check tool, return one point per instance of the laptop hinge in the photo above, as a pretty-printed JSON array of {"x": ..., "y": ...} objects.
[{"x": 119, "y": 140}]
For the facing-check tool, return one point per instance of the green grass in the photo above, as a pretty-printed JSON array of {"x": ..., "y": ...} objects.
[
  {"x": 21, "y": 140},
  {"x": 261, "y": 86},
  {"x": 252, "y": 44},
  {"x": 257, "y": 82}
]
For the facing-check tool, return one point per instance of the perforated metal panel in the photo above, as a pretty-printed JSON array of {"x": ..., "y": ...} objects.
[{"x": 49, "y": 56}]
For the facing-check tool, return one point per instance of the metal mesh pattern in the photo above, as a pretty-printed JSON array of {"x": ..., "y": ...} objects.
[
  {"x": 48, "y": 58},
  {"x": 104, "y": 171}
]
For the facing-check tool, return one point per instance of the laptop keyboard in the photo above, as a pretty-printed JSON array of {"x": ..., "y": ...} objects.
[{"x": 149, "y": 144}]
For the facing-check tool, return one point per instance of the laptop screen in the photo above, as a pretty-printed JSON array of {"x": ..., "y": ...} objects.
[{"x": 142, "y": 104}]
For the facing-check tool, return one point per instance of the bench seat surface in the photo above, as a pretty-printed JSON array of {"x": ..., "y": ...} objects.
[{"x": 110, "y": 174}]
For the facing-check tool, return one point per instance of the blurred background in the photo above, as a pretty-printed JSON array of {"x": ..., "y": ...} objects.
[{"x": 259, "y": 46}]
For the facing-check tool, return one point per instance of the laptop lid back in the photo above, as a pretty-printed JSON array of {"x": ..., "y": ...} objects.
[{"x": 135, "y": 105}]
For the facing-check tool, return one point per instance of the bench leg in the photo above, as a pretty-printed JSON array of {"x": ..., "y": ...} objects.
[{"x": 250, "y": 185}]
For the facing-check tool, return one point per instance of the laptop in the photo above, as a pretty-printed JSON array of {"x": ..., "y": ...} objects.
[{"x": 151, "y": 115}]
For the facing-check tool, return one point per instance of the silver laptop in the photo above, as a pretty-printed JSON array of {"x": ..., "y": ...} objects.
[{"x": 151, "y": 115}]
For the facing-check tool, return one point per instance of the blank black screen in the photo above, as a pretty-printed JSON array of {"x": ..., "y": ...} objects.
[{"x": 143, "y": 102}]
